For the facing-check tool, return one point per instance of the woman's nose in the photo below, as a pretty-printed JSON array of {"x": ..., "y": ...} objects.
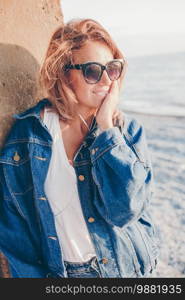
[{"x": 105, "y": 80}]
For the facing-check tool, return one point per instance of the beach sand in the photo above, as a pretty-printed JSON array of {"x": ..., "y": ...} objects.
[{"x": 166, "y": 142}]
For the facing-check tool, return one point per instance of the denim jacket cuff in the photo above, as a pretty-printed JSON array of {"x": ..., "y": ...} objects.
[{"x": 106, "y": 140}]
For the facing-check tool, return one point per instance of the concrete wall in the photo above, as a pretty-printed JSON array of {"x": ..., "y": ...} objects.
[{"x": 26, "y": 27}]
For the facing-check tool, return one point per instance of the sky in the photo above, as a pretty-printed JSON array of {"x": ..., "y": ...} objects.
[{"x": 138, "y": 26}]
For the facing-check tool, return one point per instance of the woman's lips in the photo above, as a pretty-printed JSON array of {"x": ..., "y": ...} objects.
[{"x": 101, "y": 93}]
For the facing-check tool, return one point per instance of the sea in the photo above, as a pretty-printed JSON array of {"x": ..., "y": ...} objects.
[
  {"x": 154, "y": 94},
  {"x": 155, "y": 84}
]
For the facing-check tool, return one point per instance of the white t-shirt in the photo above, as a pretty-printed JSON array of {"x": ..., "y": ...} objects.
[{"x": 62, "y": 193}]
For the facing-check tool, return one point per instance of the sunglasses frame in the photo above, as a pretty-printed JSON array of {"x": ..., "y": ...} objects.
[{"x": 84, "y": 66}]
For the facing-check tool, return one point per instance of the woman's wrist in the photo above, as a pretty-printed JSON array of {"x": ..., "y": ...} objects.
[{"x": 105, "y": 126}]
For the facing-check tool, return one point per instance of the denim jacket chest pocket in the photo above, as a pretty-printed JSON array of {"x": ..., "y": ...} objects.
[{"x": 15, "y": 161}]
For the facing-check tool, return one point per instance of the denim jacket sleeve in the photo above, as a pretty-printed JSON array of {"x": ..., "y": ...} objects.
[
  {"x": 15, "y": 240},
  {"x": 122, "y": 171}
]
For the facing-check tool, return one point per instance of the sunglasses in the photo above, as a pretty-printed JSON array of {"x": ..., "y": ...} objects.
[{"x": 92, "y": 71}]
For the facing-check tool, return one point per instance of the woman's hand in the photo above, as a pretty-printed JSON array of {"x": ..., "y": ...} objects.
[
  {"x": 106, "y": 114},
  {"x": 118, "y": 118}
]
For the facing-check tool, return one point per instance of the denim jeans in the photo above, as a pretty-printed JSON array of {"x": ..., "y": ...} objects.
[{"x": 89, "y": 269}]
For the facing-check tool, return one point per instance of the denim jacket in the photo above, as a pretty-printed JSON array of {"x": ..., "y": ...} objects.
[{"x": 115, "y": 192}]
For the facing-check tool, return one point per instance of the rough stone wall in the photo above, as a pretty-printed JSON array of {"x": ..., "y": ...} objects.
[{"x": 26, "y": 27}]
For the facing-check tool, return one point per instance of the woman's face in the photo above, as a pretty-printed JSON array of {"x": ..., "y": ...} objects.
[{"x": 90, "y": 96}]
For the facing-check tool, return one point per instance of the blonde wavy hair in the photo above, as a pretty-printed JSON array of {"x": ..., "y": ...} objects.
[{"x": 52, "y": 75}]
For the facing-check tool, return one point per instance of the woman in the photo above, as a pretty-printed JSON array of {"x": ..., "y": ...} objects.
[{"x": 76, "y": 177}]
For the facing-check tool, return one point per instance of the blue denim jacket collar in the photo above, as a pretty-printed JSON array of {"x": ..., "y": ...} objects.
[{"x": 35, "y": 112}]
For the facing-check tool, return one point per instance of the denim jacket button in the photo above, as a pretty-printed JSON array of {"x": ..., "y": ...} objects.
[
  {"x": 93, "y": 151},
  {"x": 52, "y": 237},
  {"x": 42, "y": 198},
  {"x": 16, "y": 157},
  {"x": 81, "y": 177},
  {"x": 105, "y": 260},
  {"x": 91, "y": 220}
]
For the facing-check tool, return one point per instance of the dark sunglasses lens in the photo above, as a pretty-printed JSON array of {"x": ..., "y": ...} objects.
[
  {"x": 114, "y": 69},
  {"x": 92, "y": 73}
]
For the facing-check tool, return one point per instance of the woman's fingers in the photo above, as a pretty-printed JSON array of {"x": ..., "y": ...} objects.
[
  {"x": 114, "y": 89},
  {"x": 115, "y": 116},
  {"x": 106, "y": 114},
  {"x": 118, "y": 118}
]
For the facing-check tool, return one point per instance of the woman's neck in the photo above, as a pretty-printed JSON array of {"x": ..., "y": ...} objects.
[
  {"x": 80, "y": 125},
  {"x": 84, "y": 119}
]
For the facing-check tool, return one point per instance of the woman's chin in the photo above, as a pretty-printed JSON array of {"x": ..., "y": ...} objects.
[
  {"x": 95, "y": 103},
  {"x": 98, "y": 100}
]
